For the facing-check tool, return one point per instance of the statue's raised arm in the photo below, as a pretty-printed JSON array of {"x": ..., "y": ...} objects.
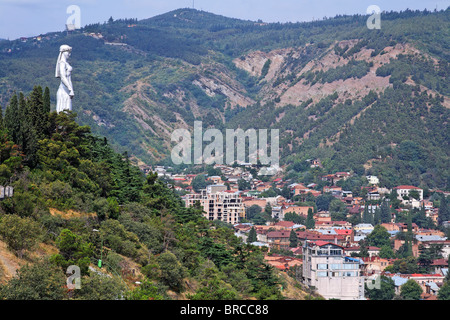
[{"x": 64, "y": 71}]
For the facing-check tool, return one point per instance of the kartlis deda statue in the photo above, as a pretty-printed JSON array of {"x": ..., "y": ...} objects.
[{"x": 63, "y": 71}]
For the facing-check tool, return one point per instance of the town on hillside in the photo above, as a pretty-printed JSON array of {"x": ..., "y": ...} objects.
[{"x": 334, "y": 241}]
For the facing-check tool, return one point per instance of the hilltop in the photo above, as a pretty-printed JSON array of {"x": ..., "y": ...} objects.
[{"x": 76, "y": 202}]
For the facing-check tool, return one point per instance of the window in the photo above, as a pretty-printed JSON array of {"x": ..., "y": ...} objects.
[
  {"x": 334, "y": 252},
  {"x": 335, "y": 274},
  {"x": 335, "y": 266},
  {"x": 349, "y": 274},
  {"x": 322, "y": 266},
  {"x": 322, "y": 274}
]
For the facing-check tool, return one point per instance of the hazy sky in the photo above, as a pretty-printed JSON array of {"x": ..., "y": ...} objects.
[{"x": 24, "y": 18}]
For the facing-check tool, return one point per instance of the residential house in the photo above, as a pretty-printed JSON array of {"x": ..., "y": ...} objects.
[
  {"x": 300, "y": 210},
  {"x": 374, "y": 265},
  {"x": 404, "y": 191}
]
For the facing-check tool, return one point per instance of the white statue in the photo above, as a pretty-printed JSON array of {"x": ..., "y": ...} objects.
[{"x": 65, "y": 93}]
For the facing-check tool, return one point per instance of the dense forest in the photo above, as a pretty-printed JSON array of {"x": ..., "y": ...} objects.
[{"x": 93, "y": 209}]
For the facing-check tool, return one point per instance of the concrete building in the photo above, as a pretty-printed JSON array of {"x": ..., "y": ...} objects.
[
  {"x": 404, "y": 191},
  {"x": 327, "y": 270},
  {"x": 218, "y": 204}
]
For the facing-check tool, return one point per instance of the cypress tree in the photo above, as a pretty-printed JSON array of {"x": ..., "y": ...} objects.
[
  {"x": 310, "y": 223},
  {"x": 36, "y": 113},
  {"x": 46, "y": 100},
  {"x": 11, "y": 121},
  {"x": 366, "y": 214},
  {"x": 1, "y": 118},
  {"x": 252, "y": 237},
  {"x": 377, "y": 216},
  {"x": 293, "y": 239},
  {"x": 28, "y": 135},
  {"x": 444, "y": 210},
  {"x": 385, "y": 214}
]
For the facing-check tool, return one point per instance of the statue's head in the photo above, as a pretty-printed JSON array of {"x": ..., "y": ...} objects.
[
  {"x": 65, "y": 48},
  {"x": 64, "y": 52}
]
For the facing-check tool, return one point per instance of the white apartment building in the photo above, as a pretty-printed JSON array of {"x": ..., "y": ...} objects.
[
  {"x": 332, "y": 274},
  {"x": 218, "y": 204}
]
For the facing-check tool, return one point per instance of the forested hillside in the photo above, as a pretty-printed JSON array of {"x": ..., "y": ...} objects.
[
  {"x": 368, "y": 101},
  {"x": 76, "y": 202}
]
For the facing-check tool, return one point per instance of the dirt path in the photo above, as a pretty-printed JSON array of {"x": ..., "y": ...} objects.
[{"x": 8, "y": 262}]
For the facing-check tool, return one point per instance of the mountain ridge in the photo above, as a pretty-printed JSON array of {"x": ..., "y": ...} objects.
[{"x": 174, "y": 70}]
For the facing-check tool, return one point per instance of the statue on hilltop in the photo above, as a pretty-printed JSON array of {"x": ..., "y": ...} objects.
[{"x": 65, "y": 93}]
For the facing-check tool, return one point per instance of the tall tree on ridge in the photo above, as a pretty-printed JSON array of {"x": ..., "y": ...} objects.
[
  {"x": 46, "y": 100},
  {"x": 11, "y": 120}
]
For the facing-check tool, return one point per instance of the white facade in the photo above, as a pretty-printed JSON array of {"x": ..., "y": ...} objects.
[
  {"x": 403, "y": 191},
  {"x": 331, "y": 273}
]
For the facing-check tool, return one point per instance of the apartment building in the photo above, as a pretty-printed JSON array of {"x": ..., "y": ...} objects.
[
  {"x": 334, "y": 275},
  {"x": 218, "y": 204}
]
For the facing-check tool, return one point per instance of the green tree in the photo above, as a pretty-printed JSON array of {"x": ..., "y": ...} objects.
[
  {"x": 414, "y": 194},
  {"x": 367, "y": 215},
  {"x": 385, "y": 214},
  {"x": 172, "y": 272},
  {"x": 73, "y": 250},
  {"x": 252, "y": 237},
  {"x": 310, "y": 223},
  {"x": 323, "y": 202},
  {"x": 1, "y": 119},
  {"x": 377, "y": 216},
  {"x": 199, "y": 182},
  {"x": 243, "y": 184},
  {"x": 237, "y": 278},
  {"x": 386, "y": 252},
  {"x": 379, "y": 237},
  {"x": 46, "y": 100},
  {"x": 213, "y": 287},
  {"x": 411, "y": 290},
  {"x": 338, "y": 210},
  {"x": 253, "y": 211},
  {"x": 100, "y": 287},
  {"x": 294, "y": 217},
  {"x": 145, "y": 291},
  {"x": 444, "y": 209},
  {"x": 39, "y": 281},
  {"x": 364, "y": 249},
  {"x": 385, "y": 292},
  {"x": 20, "y": 234},
  {"x": 444, "y": 291},
  {"x": 293, "y": 239},
  {"x": 12, "y": 119}
]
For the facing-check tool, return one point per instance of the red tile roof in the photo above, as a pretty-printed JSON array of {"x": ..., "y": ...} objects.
[{"x": 406, "y": 187}]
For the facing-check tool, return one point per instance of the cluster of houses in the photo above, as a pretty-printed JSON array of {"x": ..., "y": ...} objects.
[
  {"x": 335, "y": 281},
  {"x": 328, "y": 253}
]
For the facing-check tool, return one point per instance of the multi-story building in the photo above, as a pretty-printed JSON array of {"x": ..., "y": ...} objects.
[
  {"x": 404, "y": 191},
  {"x": 332, "y": 274},
  {"x": 218, "y": 204}
]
